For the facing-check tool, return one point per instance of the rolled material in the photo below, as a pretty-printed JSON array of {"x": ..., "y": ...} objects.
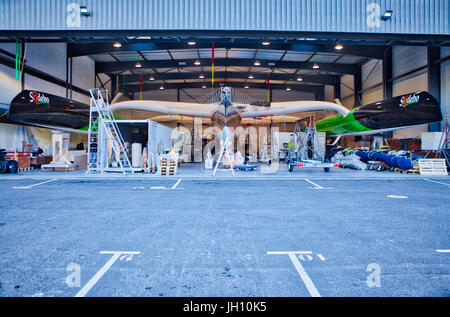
[
  {"x": 136, "y": 153},
  {"x": 397, "y": 161}
]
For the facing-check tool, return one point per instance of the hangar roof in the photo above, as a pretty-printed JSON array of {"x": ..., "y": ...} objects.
[{"x": 300, "y": 63}]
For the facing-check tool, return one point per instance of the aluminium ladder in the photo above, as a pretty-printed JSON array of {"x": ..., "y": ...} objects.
[{"x": 103, "y": 128}]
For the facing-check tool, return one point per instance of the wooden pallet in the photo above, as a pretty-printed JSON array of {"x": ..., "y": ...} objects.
[
  {"x": 25, "y": 169},
  {"x": 167, "y": 173},
  {"x": 410, "y": 171},
  {"x": 168, "y": 167},
  {"x": 57, "y": 168},
  {"x": 433, "y": 167},
  {"x": 165, "y": 162}
]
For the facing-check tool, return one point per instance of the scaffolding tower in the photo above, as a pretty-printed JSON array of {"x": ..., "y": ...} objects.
[{"x": 104, "y": 133}]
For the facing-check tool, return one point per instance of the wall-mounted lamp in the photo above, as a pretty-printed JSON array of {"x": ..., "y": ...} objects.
[
  {"x": 84, "y": 11},
  {"x": 387, "y": 15}
]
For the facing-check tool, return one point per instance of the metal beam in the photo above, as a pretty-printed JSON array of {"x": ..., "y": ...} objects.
[
  {"x": 387, "y": 73},
  {"x": 316, "y": 89},
  {"x": 82, "y": 49},
  {"x": 111, "y": 67},
  {"x": 337, "y": 89},
  {"x": 388, "y": 82},
  {"x": 434, "y": 80},
  {"x": 317, "y": 79},
  {"x": 361, "y": 41},
  {"x": 367, "y": 37},
  {"x": 358, "y": 87}
]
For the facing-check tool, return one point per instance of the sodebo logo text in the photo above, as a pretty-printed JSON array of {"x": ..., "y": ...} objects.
[
  {"x": 38, "y": 98},
  {"x": 408, "y": 99}
]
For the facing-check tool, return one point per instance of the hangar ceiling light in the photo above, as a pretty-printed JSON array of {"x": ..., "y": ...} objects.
[
  {"x": 197, "y": 62},
  {"x": 316, "y": 66},
  {"x": 117, "y": 44},
  {"x": 299, "y": 78},
  {"x": 265, "y": 43},
  {"x": 152, "y": 77},
  {"x": 257, "y": 63},
  {"x": 201, "y": 76},
  {"x": 161, "y": 87},
  {"x": 338, "y": 46},
  {"x": 191, "y": 42},
  {"x": 138, "y": 65},
  {"x": 251, "y": 76},
  {"x": 246, "y": 86},
  {"x": 288, "y": 88},
  {"x": 203, "y": 86}
]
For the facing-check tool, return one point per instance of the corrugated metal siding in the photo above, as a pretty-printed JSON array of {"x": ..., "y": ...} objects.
[{"x": 410, "y": 16}]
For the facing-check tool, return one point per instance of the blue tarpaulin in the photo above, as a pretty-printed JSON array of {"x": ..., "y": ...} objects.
[{"x": 395, "y": 161}]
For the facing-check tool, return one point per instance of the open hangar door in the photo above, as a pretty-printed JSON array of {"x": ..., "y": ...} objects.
[{"x": 264, "y": 65}]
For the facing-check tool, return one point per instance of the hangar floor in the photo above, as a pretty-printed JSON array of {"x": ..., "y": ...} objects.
[
  {"x": 213, "y": 237},
  {"x": 196, "y": 170}
]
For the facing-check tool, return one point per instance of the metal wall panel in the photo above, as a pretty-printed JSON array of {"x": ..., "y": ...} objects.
[{"x": 410, "y": 16}]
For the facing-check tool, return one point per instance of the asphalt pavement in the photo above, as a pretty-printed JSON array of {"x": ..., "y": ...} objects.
[{"x": 224, "y": 237}]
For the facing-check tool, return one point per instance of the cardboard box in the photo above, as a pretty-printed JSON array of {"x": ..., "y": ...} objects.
[{"x": 23, "y": 158}]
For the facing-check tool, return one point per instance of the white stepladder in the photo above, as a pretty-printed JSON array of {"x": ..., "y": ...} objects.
[{"x": 104, "y": 131}]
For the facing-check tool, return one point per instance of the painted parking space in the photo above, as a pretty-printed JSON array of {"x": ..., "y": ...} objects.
[
  {"x": 212, "y": 238},
  {"x": 443, "y": 182}
]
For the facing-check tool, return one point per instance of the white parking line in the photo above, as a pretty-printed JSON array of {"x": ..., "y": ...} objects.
[
  {"x": 397, "y": 196},
  {"x": 176, "y": 184},
  {"x": 443, "y": 251},
  {"x": 116, "y": 254},
  {"x": 316, "y": 186},
  {"x": 301, "y": 271},
  {"x": 26, "y": 187},
  {"x": 429, "y": 180},
  {"x": 158, "y": 187},
  {"x": 320, "y": 256}
]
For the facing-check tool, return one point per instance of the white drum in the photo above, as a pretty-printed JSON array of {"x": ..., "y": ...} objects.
[{"x": 136, "y": 153}]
